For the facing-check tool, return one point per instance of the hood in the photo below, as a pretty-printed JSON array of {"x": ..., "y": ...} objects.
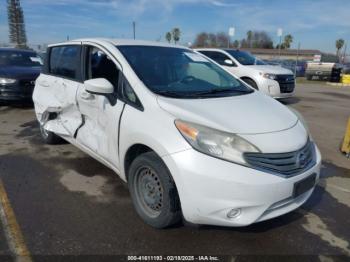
[
  {"x": 20, "y": 72},
  {"x": 278, "y": 70},
  {"x": 253, "y": 113}
]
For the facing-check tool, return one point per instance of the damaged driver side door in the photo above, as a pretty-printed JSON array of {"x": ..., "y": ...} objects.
[{"x": 101, "y": 113}]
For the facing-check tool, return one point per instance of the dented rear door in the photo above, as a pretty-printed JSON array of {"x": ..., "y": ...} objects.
[{"x": 56, "y": 89}]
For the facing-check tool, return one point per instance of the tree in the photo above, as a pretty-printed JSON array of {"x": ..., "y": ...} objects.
[
  {"x": 236, "y": 44},
  {"x": 257, "y": 39},
  {"x": 222, "y": 39},
  {"x": 339, "y": 45},
  {"x": 17, "y": 33},
  {"x": 205, "y": 39},
  {"x": 168, "y": 37},
  {"x": 249, "y": 38},
  {"x": 212, "y": 40},
  {"x": 201, "y": 40},
  {"x": 262, "y": 40},
  {"x": 176, "y": 34},
  {"x": 288, "y": 39}
]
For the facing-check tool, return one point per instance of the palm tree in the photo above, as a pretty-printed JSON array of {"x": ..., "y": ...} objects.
[
  {"x": 176, "y": 34},
  {"x": 16, "y": 24},
  {"x": 339, "y": 45},
  {"x": 288, "y": 39},
  {"x": 168, "y": 37}
]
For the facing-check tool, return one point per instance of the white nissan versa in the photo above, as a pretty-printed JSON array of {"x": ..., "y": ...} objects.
[
  {"x": 190, "y": 139},
  {"x": 275, "y": 81}
]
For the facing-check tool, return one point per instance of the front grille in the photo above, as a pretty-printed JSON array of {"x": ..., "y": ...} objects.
[
  {"x": 286, "y": 82},
  {"x": 285, "y": 164}
]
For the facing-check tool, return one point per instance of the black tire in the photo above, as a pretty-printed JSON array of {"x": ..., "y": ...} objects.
[
  {"x": 49, "y": 137},
  {"x": 309, "y": 77},
  {"x": 153, "y": 191},
  {"x": 251, "y": 83}
]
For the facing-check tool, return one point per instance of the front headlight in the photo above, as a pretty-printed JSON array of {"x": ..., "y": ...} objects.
[
  {"x": 269, "y": 76},
  {"x": 215, "y": 143},
  {"x": 6, "y": 81}
]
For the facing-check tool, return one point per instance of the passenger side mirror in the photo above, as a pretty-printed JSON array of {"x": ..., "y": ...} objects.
[
  {"x": 99, "y": 86},
  {"x": 228, "y": 62}
]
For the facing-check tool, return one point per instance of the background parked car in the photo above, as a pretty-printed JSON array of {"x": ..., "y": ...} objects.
[
  {"x": 323, "y": 71},
  {"x": 18, "y": 71},
  {"x": 275, "y": 81},
  {"x": 298, "y": 68}
]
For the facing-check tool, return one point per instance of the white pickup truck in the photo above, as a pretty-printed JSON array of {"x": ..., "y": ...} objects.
[{"x": 275, "y": 81}]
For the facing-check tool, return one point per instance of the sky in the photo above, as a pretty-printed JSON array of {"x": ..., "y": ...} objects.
[{"x": 316, "y": 24}]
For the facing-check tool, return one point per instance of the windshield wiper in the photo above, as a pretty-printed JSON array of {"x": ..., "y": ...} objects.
[
  {"x": 221, "y": 91},
  {"x": 176, "y": 94},
  {"x": 183, "y": 94}
]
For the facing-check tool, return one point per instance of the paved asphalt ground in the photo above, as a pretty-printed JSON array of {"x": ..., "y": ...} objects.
[{"x": 66, "y": 203}]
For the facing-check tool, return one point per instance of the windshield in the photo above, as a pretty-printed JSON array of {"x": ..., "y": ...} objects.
[
  {"x": 245, "y": 58},
  {"x": 19, "y": 58},
  {"x": 177, "y": 72}
]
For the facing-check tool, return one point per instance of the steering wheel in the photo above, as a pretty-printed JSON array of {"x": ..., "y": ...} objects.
[{"x": 186, "y": 79}]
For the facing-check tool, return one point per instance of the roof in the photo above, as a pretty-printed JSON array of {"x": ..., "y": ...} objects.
[
  {"x": 16, "y": 49},
  {"x": 121, "y": 42}
]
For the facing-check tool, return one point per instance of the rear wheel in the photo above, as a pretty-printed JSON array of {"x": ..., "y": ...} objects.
[
  {"x": 153, "y": 191},
  {"x": 251, "y": 83},
  {"x": 50, "y": 137}
]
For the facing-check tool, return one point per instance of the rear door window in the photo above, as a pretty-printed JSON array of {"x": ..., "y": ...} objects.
[{"x": 65, "y": 62}]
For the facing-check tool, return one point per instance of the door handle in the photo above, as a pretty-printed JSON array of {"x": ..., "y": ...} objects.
[
  {"x": 44, "y": 83},
  {"x": 87, "y": 96}
]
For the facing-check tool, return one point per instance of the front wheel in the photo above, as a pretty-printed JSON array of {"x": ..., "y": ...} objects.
[{"x": 153, "y": 191}]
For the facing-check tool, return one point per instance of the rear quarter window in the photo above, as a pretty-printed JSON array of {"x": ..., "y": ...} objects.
[{"x": 64, "y": 61}]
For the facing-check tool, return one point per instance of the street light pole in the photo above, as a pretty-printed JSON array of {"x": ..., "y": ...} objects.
[
  {"x": 134, "y": 29},
  {"x": 279, "y": 48},
  {"x": 231, "y": 33}
]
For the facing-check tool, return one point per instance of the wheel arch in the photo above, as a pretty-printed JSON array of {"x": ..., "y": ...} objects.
[
  {"x": 250, "y": 79},
  {"x": 132, "y": 153}
]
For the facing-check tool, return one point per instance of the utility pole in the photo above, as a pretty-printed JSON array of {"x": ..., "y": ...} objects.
[
  {"x": 344, "y": 54},
  {"x": 134, "y": 29},
  {"x": 296, "y": 62}
]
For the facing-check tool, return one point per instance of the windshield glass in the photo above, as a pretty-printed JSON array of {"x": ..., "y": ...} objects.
[
  {"x": 245, "y": 58},
  {"x": 177, "y": 72},
  {"x": 19, "y": 58}
]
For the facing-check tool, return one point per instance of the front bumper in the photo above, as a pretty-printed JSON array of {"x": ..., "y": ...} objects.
[
  {"x": 273, "y": 89},
  {"x": 209, "y": 188},
  {"x": 16, "y": 92}
]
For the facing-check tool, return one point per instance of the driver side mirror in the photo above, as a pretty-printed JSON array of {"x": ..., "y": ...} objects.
[{"x": 98, "y": 86}]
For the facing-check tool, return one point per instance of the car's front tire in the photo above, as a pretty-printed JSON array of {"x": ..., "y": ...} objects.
[
  {"x": 153, "y": 191},
  {"x": 49, "y": 137}
]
